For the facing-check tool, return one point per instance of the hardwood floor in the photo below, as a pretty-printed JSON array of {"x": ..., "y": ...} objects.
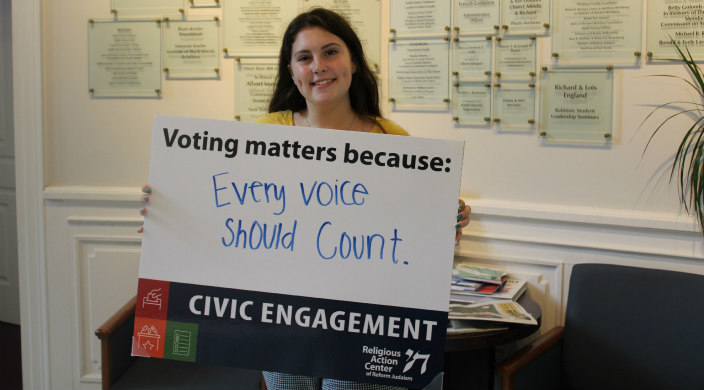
[{"x": 10, "y": 357}]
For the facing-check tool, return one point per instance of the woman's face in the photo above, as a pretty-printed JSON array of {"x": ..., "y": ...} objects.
[{"x": 321, "y": 67}]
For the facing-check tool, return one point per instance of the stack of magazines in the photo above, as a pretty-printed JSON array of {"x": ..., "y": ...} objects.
[
  {"x": 480, "y": 293},
  {"x": 472, "y": 283}
]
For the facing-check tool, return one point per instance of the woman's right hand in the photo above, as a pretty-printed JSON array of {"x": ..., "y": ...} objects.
[{"x": 147, "y": 190}]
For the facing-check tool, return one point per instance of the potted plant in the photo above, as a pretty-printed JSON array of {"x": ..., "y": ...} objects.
[{"x": 688, "y": 163}]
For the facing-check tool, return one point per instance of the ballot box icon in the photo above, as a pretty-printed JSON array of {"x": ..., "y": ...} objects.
[{"x": 148, "y": 338}]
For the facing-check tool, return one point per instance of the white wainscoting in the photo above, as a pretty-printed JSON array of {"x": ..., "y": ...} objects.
[
  {"x": 93, "y": 261},
  {"x": 93, "y": 253}
]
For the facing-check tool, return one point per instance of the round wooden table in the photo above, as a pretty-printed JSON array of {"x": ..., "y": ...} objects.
[{"x": 469, "y": 357}]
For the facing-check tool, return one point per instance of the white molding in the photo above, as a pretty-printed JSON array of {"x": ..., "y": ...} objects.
[
  {"x": 79, "y": 193},
  {"x": 29, "y": 160},
  {"x": 105, "y": 221},
  {"x": 676, "y": 252},
  {"x": 583, "y": 215},
  {"x": 659, "y": 236}
]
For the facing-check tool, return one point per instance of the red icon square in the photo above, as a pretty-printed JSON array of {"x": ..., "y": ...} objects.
[
  {"x": 148, "y": 337},
  {"x": 152, "y": 299}
]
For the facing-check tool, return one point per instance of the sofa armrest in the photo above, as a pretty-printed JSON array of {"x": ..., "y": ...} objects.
[
  {"x": 509, "y": 367},
  {"x": 116, "y": 343}
]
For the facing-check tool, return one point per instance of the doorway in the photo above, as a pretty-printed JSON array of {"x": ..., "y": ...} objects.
[
  {"x": 10, "y": 349},
  {"x": 9, "y": 278}
]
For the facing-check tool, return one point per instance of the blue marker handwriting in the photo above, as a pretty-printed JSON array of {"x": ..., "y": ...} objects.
[
  {"x": 354, "y": 246},
  {"x": 256, "y": 191},
  {"x": 344, "y": 193},
  {"x": 259, "y": 234},
  {"x": 319, "y": 193},
  {"x": 331, "y": 242}
]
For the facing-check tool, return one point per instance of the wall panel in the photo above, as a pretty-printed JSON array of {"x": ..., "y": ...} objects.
[{"x": 93, "y": 256}]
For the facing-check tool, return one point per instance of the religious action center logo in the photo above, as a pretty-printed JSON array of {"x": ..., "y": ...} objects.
[{"x": 385, "y": 363}]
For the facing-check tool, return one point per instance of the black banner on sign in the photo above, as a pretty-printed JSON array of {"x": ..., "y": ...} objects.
[{"x": 305, "y": 336}]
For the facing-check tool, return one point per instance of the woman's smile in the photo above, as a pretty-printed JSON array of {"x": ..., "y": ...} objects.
[{"x": 323, "y": 83}]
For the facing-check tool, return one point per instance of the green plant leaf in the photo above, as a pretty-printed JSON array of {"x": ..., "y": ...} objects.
[{"x": 688, "y": 162}]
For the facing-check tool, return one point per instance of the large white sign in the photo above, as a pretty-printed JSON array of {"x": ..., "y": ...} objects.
[{"x": 341, "y": 238}]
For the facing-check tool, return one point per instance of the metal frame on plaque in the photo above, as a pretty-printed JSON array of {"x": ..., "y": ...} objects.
[
  {"x": 250, "y": 30},
  {"x": 516, "y": 57},
  {"x": 420, "y": 74},
  {"x": 148, "y": 8},
  {"x": 192, "y": 48},
  {"x": 514, "y": 105},
  {"x": 124, "y": 58},
  {"x": 254, "y": 86},
  {"x": 472, "y": 58},
  {"x": 592, "y": 33},
  {"x": 204, "y": 3},
  {"x": 471, "y": 103},
  {"x": 419, "y": 18},
  {"x": 682, "y": 22},
  {"x": 522, "y": 17},
  {"x": 365, "y": 18},
  {"x": 476, "y": 17},
  {"x": 576, "y": 105}
]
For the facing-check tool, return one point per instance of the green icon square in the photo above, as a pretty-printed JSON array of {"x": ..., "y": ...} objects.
[{"x": 181, "y": 341}]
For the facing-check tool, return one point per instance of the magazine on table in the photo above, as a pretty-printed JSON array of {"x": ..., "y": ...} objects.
[
  {"x": 457, "y": 281},
  {"x": 499, "y": 311},
  {"x": 477, "y": 273},
  {"x": 512, "y": 289},
  {"x": 470, "y": 326}
]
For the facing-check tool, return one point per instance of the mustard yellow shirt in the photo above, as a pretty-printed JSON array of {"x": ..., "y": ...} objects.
[{"x": 383, "y": 126}]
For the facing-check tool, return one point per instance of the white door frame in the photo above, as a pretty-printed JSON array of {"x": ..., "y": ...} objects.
[{"x": 29, "y": 176}]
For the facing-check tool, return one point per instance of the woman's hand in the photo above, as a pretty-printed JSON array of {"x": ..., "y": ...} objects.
[
  {"x": 463, "y": 211},
  {"x": 147, "y": 189}
]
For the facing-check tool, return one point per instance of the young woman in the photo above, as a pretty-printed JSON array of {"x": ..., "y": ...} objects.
[{"x": 324, "y": 81}]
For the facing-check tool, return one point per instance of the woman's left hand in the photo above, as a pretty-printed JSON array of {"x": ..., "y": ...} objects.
[{"x": 463, "y": 211}]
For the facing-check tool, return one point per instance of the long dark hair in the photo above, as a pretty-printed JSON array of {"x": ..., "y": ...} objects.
[{"x": 364, "y": 92}]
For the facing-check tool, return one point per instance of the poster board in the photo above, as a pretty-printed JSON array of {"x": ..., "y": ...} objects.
[{"x": 272, "y": 241}]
